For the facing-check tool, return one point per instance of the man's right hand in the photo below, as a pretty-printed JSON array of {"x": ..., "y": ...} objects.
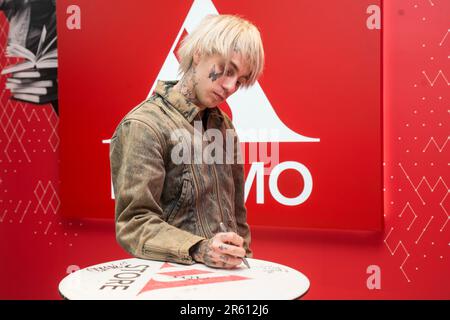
[{"x": 224, "y": 250}]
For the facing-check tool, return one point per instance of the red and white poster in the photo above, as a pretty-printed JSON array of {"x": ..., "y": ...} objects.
[{"x": 320, "y": 93}]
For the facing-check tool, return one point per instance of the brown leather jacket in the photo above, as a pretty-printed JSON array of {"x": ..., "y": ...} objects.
[{"x": 164, "y": 208}]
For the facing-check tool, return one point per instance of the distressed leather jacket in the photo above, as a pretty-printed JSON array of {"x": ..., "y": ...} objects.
[{"x": 164, "y": 208}]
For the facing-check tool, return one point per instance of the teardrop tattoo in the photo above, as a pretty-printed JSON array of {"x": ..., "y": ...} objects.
[{"x": 213, "y": 75}]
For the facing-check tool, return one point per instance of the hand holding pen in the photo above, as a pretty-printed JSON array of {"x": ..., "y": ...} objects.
[
  {"x": 224, "y": 250},
  {"x": 223, "y": 229}
]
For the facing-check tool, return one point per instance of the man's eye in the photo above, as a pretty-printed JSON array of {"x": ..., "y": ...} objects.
[{"x": 240, "y": 83}]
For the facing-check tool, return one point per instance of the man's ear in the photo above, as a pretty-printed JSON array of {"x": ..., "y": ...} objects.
[{"x": 196, "y": 57}]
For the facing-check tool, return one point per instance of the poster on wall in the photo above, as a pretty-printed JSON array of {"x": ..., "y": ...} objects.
[
  {"x": 310, "y": 128},
  {"x": 31, "y": 50}
]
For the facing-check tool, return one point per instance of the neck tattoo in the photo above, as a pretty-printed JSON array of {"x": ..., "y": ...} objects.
[{"x": 187, "y": 86}]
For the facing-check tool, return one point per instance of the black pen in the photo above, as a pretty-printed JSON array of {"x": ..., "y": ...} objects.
[{"x": 223, "y": 229}]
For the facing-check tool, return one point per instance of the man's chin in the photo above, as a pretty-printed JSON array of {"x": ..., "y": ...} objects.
[{"x": 213, "y": 104}]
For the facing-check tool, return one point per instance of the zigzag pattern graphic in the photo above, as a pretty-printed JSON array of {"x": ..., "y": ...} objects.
[
  {"x": 443, "y": 39},
  {"x": 443, "y": 208},
  {"x": 53, "y": 120},
  {"x": 12, "y": 131},
  {"x": 435, "y": 143},
  {"x": 18, "y": 131},
  {"x": 415, "y": 217},
  {"x": 413, "y": 212},
  {"x": 31, "y": 114},
  {"x": 40, "y": 192},
  {"x": 432, "y": 188},
  {"x": 399, "y": 244},
  {"x": 424, "y": 229},
  {"x": 436, "y": 78}
]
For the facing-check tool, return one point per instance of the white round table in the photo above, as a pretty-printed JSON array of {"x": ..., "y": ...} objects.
[{"x": 154, "y": 280}]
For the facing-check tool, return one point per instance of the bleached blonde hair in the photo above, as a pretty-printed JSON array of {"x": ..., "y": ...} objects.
[{"x": 223, "y": 34}]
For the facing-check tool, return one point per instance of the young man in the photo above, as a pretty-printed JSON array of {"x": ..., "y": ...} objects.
[{"x": 170, "y": 210}]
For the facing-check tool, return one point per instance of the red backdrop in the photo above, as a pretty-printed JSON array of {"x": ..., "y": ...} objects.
[
  {"x": 322, "y": 77},
  {"x": 38, "y": 245}
]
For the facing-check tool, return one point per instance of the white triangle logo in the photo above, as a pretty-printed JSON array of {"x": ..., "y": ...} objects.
[{"x": 244, "y": 104}]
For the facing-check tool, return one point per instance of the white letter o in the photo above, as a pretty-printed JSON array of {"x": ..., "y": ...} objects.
[{"x": 307, "y": 178}]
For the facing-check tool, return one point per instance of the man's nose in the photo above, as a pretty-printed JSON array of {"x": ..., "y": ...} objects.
[{"x": 229, "y": 86}]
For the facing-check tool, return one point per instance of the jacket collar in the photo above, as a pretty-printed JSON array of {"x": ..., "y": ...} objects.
[{"x": 188, "y": 109}]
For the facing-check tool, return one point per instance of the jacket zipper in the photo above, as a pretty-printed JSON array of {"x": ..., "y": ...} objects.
[
  {"x": 217, "y": 193},
  {"x": 196, "y": 202},
  {"x": 216, "y": 180}
]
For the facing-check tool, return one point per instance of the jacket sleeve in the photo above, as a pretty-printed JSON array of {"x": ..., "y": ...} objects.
[{"x": 138, "y": 173}]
